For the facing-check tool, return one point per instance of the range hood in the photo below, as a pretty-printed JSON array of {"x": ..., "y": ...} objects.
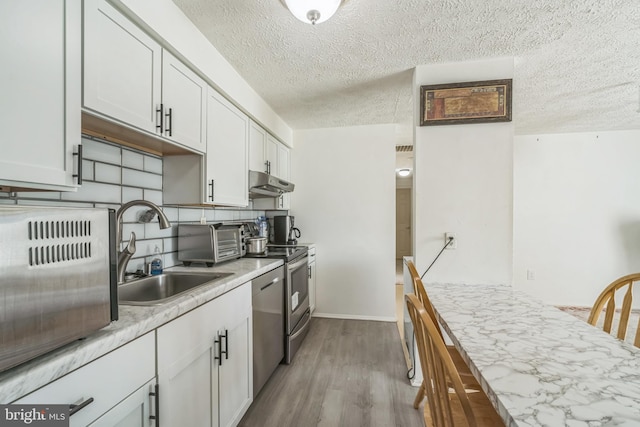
[{"x": 264, "y": 185}]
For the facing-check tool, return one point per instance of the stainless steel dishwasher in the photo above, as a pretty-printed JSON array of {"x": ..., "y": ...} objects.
[{"x": 268, "y": 325}]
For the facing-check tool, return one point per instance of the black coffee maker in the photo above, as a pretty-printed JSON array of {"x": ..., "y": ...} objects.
[{"x": 284, "y": 230}]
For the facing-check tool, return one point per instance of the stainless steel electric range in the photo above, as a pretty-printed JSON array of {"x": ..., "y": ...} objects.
[{"x": 296, "y": 294}]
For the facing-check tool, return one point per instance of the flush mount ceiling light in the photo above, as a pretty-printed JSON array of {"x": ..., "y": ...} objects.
[
  {"x": 404, "y": 172},
  {"x": 313, "y": 11}
]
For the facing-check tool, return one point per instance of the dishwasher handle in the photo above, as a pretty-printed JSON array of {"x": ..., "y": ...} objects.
[{"x": 273, "y": 282}]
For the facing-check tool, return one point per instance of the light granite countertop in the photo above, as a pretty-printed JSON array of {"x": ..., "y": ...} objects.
[
  {"x": 539, "y": 365},
  {"x": 133, "y": 322}
]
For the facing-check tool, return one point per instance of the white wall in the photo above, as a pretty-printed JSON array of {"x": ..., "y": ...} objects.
[
  {"x": 463, "y": 183},
  {"x": 167, "y": 20},
  {"x": 576, "y": 213},
  {"x": 344, "y": 201}
]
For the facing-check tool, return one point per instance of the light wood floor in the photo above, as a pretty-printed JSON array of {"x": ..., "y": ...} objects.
[{"x": 348, "y": 373}]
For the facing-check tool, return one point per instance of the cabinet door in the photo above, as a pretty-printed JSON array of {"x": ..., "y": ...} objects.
[
  {"x": 40, "y": 86},
  {"x": 184, "y": 97},
  {"x": 236, "y": 370},
  {"x": 257, "y": 143},
  {"x": 284, "y": 173},
  {"x": 195, "y": 388},
  {"x": 134, "y": 411},
  {"x": 122, "y": 67},
  {"x": 187, "y": 371},
  {"x": 271, "y": 155},
  {"x": 227, "y": 153}
]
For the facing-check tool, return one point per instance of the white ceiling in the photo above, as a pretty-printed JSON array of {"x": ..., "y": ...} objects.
[{"x": 577, "y": 62}]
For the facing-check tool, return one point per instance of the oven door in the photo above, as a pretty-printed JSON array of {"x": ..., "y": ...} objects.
[
  {"x": 297, "y": 291},
  {"x": 228, "y": 243}
]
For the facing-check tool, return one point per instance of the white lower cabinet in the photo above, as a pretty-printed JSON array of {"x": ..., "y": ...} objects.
[
  {"x": 205, "y": 363},
  {"x": 134, "y": 411},
  {"x": 112, "y": 390}
]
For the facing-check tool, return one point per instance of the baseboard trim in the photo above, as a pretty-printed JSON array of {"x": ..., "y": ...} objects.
[{"x": 354, "y": 317}]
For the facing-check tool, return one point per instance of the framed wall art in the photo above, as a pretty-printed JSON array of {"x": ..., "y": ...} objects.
[{"x": 463, "y": 103}]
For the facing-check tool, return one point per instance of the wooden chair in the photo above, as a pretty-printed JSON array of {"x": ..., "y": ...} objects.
[
  {"x": 608, "y": 298},
  {"x": 448, "y": 403},
  {"x": 471, "y": 384}
]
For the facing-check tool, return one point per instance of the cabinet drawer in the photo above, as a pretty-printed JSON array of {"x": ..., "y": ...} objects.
[{"x": 107, "y": 380}]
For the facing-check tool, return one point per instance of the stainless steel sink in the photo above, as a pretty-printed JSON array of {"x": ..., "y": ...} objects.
[{"x": 155, "y": 290}]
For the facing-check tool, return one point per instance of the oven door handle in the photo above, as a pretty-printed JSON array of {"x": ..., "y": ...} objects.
[
  {"x": 297, "y": 264},
  {"x": 304, "y": 323}
]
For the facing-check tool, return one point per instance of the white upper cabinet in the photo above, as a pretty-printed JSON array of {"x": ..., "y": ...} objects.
[
  {"x": 221, "y": 177},
  {"x": 122, "y": 67},
  {"x": 257, "y": 145},
  {"x": 271, "y": 155},
  {"x": 227, "y": 167},
  {"x": 40, "y": 86},
  {"x": 263, "y": 150},
  {"x": 284, "y": 172},
  {"x": 184, "y": 101},
  {"x": 129, "y": 77}
]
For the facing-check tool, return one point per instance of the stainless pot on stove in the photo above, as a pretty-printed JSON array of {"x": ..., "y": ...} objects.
[{"x": 256, "y": 245}]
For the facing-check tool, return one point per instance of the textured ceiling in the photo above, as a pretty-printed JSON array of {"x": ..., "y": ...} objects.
[{"x": 577, "y": 62}]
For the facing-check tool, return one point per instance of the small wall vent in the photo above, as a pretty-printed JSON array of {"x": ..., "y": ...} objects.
[{"x": 404, "y": 148}]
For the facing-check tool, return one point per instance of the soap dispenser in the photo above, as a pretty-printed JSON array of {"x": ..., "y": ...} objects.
[{"x": 156, "y": 262}]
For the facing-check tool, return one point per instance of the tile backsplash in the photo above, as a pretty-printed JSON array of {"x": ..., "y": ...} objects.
[{"x": 113, "y": 175}]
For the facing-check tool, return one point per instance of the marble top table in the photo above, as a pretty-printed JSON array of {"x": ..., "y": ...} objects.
[{"x": 538, "y": 365}]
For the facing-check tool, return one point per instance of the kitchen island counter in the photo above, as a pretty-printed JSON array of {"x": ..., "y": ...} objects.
[{"x": 134, "y": 321}]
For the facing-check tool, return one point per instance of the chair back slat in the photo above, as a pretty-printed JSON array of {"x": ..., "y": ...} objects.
[
  {"x": 608, "y": 315},
  {"x": 607, "y": 301},
  {"x": 438, "y": 368},
  {"x": 625, "y": 313},
  {"x": 420, "y": 291}
]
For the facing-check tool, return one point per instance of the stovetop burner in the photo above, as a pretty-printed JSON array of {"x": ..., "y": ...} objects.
[{"x": 281, "y": 251}]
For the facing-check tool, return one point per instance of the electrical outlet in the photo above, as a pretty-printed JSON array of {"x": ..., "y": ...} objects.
[
  {"x": 454, "y": 242},
  {"x": 531, "y": 275}
]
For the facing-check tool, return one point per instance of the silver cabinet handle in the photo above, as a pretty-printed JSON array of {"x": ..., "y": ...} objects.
[
  {"x": 156, "y": 394},
  {"x": 169, "y": 121},
  {"x": 160, "y": 111},
  {"x": 79, "y": 174},
  {"x": 75, "y": 408}
]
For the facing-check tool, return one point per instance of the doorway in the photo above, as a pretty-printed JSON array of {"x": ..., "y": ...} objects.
[
  {"x": 404, "y": 231},
  {"x": 404, "y": 237},
  {"x": 404, "y": 195}
]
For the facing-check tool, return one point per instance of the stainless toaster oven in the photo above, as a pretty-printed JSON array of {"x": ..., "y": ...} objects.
[
  {"x": 210, "y": 243},
  {"x": 57, "y": 278}
]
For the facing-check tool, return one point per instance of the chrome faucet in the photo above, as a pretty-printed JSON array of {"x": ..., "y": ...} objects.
[{"x": 125, "y": 255}]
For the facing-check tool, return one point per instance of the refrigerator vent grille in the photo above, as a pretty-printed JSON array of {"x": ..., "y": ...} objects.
[
  {"x": 60, "y": 241},
  {"x": 41, "y": 230}
]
